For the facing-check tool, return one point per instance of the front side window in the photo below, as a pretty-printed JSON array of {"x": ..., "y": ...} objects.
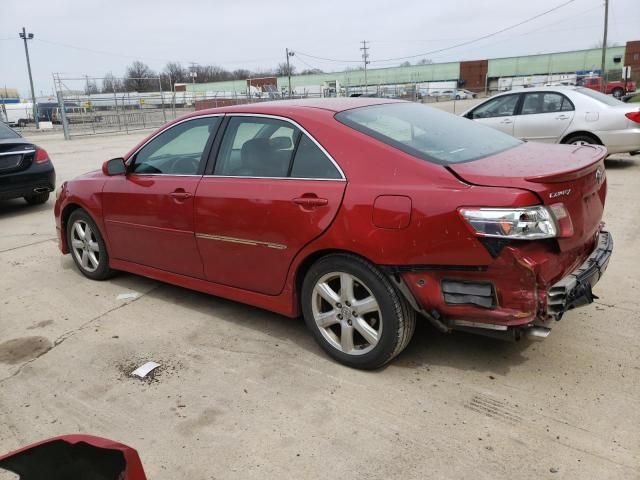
[
  {"x": 545, "y": 102},
  {"x": 504, "y": 106},
  {"x": 178, "y": 150},
  {"x": 427, "y": 133}
]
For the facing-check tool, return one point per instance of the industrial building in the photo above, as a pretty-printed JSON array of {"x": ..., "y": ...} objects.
[{"x": 475, "y": 75}]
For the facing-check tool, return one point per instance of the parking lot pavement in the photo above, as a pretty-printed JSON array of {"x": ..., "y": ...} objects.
[{"x": 243, "y": 393}]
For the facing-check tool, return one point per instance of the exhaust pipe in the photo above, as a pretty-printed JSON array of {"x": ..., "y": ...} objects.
[
  {"x": 537, "y": 333},
  {"x": 40, "y": 190}
]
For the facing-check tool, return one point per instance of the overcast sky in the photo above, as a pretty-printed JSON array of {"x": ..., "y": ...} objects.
[{"x": 84, "y": 37}]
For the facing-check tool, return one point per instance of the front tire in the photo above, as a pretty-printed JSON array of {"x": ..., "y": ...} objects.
[
  {"x": 87, "y": 246},
  {"x": 37, "y": 198},
  {"x": 618, "y": 92},
  {"x": 354, "y": 312}
]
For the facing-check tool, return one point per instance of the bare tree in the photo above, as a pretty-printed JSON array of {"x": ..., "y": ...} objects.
[
  {"x": 284, "y": 70},
  {"x": 424, "y": 61},
  {"x": 311, "y": 71},
  {"x": 173, "y": 73},
  {"x": 91, "y": 87},
  {"x": 138, "y": 77},
  {"x": 111, "y": 84},
  {"x": 405, "y": 64}
]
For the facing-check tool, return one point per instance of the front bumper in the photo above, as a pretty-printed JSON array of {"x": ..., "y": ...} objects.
[{"x": 574, "y": 290}]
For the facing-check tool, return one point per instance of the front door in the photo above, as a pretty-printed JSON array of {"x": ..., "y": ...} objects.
[
  {"x": 544, "y": 117},
  {"x": 498, "y": 113},
  {"x": 273, "y": 190},
  {"x": 149, "y": 212}
]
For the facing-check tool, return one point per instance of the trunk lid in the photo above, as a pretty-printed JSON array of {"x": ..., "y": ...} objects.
[
  {"x": 15, "y": 155},
  {"x": 573, "y": 175}
]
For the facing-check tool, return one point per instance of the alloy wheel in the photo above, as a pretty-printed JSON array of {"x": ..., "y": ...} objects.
[
  {"x": 85, "y": 246},
  {"x": 346, "y": 313}
]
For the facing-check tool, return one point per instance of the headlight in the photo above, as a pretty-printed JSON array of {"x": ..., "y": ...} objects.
[{"x": 527, "y": 223}]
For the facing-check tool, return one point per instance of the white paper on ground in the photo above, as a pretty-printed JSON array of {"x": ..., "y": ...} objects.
[
  {"x": 128, "y": 296},
  {"x": 144, "y": 370}
]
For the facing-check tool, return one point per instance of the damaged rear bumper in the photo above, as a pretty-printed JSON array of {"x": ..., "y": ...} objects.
[
  {"x": 519, "y": 294},
  {"x": 574, "y": 290}
]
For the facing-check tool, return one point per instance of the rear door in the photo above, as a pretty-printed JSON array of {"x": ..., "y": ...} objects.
[
  {"x": 543, "y": 117},
  {"x": 273, "y": 190},
  {"x": 498, "y": 113}
]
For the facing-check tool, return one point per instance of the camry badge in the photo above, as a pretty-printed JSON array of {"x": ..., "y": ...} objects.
[{"x": 561, "y": 193}]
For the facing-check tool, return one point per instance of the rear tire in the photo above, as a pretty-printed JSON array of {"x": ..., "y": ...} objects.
[
  {"x": 354, "y": 312},
  {"x": 37, "y": 198},
  {"x": 87, "y": 247},
  {"x": 581, "y": 139}
]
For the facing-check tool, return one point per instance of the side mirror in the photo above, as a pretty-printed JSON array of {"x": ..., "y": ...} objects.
[{"x": 115, "y": 166}]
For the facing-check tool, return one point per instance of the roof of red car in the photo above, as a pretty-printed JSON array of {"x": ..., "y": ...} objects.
[{"x": 278, "y": 106}]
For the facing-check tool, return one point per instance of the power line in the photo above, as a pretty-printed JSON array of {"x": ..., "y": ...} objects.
[{"x": 462, "y": 44}]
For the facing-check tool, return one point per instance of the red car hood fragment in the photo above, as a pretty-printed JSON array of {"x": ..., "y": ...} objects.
[{"x": 75, "y": 457}]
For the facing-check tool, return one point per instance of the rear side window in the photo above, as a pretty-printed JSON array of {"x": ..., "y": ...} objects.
[
  {"x": 545, "y": 102},
  {"x": 7, "y": 133},
  {"x": 272, "y": 148},
  {"x": 311, "y": 162},
  {"x": 427, "y": 133}
]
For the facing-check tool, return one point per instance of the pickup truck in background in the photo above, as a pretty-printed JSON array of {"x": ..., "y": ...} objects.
[{"x": 617, "y": 89}]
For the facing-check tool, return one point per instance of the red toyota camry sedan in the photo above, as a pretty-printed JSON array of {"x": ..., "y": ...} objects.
[{"x": 359, "y": 214}]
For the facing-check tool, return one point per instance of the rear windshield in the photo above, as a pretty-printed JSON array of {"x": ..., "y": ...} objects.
[
  {"x": 427, "y": 133},
  {"x": 6, "y": 132},
  {"x": 601, "y": 97}
]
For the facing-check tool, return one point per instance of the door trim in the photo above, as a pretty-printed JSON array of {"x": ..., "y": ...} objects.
[{"x": 243, "y": 241}]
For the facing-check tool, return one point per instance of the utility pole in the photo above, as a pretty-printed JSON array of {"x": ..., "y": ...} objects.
[
  {"x": 604, "y": 45},
  {"x": 289, "y": 54},
  {"x": 29, "y": 36},
  {"x": 365, "y": 58}
]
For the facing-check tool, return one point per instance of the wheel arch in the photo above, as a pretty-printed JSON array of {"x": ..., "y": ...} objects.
[
  {"x": 68, "y": 209},
  {"x": 579, "y": 133},
  {"x": 305, "y": 264}
]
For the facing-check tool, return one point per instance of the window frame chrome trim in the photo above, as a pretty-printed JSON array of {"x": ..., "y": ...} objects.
[{"x": 304, "y": 131}]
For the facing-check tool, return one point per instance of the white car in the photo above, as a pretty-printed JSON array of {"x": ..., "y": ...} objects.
[{"x": 574, "y": 115}]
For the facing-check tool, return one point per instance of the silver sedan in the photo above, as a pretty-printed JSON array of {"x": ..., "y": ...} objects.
[{"x": 572, "y": 115}]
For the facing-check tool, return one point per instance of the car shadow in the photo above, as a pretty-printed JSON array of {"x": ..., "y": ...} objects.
[
  {"x": 619, "y": 163},
  {"x": 18, "y": 206},
  {"x": 428, "y": 347},
  {"x": 461, "y": 351}
]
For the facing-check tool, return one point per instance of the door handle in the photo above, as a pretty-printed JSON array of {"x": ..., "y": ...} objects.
[
  {"x": 562, "y": 117},
  {"x": 506, "y": 121},
  {"x": 180, "y": 194},
  {"x": 310, "y": 202}
]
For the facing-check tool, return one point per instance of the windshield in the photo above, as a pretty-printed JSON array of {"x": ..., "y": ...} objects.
[
  {"x": 6, "y": 132},
  {"x": 428, "y": 133},
  {"x": 601, "y": 97}
]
